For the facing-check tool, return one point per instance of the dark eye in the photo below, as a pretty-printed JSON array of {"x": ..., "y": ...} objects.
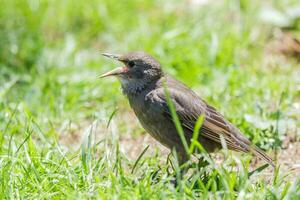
[{"x": 131, "y": 64}]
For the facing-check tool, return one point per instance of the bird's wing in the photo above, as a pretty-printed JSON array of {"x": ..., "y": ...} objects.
[{"x": 189, "y": 107}]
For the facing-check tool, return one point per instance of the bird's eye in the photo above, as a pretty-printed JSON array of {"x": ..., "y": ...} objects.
[{"x": 131, "y": 64}]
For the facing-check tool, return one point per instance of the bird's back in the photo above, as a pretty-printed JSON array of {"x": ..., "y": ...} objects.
[{"x": 153, "y": 112}]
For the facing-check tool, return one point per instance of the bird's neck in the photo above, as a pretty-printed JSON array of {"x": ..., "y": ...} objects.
[{"x": 135, "y": 87}]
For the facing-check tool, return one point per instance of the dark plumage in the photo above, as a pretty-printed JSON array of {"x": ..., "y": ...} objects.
[{"x": 143, "y": 83}]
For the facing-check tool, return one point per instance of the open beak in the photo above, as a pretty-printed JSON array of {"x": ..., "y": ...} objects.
[{"x": 117, "y": 71}]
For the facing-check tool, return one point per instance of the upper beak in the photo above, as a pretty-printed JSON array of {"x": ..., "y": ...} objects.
[
  {"x": 116, "y": 71},
  {"x": 112, "y": 56}
]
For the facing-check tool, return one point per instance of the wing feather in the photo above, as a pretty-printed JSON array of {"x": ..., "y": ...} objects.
[{"x": 189, "y": 107}]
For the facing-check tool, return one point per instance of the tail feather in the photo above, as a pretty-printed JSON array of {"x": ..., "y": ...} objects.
[{"x": 260, "y": 153}]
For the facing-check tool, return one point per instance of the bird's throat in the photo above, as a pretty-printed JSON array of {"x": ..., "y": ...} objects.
[{"x": 131, "y": 87}]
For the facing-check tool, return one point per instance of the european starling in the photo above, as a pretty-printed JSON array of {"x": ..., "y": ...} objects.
[{"x": 145, "y": 85}]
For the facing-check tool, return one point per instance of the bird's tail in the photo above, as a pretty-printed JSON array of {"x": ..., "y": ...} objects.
[{"x": 260, "y": 153}]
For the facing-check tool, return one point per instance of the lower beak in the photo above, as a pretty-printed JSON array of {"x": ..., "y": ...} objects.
[{"x": 117, "y": 71}]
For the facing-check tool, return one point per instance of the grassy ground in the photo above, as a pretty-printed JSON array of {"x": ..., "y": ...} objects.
[{"x": 64, "y": 133}]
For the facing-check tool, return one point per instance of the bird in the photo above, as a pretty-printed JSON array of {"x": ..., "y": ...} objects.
[{"x": 148, "y": 90}]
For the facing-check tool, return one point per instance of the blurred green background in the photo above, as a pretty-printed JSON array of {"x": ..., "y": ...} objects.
[{"x": 239, "y": 55}]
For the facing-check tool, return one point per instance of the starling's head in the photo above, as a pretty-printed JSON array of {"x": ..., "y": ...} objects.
[{"x": 139, "y": 69}]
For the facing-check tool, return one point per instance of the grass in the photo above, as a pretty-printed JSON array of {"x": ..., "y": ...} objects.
[{"x": 51, "y": 101}]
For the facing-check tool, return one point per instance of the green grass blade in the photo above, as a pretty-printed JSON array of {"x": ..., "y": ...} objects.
[
  {"x": 139, "y": 158},
  {"x": 176, "y": 120}
]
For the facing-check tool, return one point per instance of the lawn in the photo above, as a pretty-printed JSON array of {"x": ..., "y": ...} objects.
[{"x": 64, "y": 134}]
